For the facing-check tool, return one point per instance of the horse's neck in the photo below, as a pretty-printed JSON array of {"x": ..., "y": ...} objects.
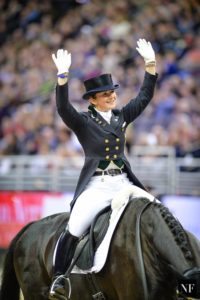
[
  {"x": 164, "y": 233},
  {"x": 170, "y": 239},
  {"x": 164, "y": 244},
  {"x": 156, "y": 269}
]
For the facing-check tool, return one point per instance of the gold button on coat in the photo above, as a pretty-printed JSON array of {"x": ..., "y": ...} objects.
[
  {"x": 114, "y": 156},
  {"x": 107, "y": 148},
  {"x": 117, "y": 139},
  {"x": 106, "y": 141},
  {"x": 107, "y": 156},
  {"x": 117, "y": 147}
]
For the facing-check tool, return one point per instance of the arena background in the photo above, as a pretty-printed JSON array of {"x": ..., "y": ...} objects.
[{"x": 40, "y": 159}]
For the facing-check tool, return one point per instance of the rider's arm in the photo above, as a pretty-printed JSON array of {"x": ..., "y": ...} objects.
[
  {"x": 62, "y": 81},
  {"x": 67, "y": 112},
  {"x": 135, "y": 107},
  {"x": 151, "y": 68}
]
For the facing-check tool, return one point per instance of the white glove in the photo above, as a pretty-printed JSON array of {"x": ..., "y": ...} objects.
[
  {"x": 146, "y": 51},
  {"x": 62, "y": 61}
]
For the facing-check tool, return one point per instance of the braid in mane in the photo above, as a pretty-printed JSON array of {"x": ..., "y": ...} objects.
[{"x": 176, "y": 229}]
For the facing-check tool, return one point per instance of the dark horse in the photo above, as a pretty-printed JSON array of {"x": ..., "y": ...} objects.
[{"x": 167, "y": 249}]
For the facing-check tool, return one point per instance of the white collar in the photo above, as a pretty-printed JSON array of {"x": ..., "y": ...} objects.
[{"x": 105, "y": 114}]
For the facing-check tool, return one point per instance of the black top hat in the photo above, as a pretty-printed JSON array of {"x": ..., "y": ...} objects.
[{"x": 99, "y": 84}]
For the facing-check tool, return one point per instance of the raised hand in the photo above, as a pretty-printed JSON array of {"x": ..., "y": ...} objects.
[
  {"x": 62, "y": 61},
  {"x": 146, "y": 51}
]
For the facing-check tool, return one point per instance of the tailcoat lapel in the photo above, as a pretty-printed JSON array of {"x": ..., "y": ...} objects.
[
  {"x": 114, "y": 121},
  {"x": 102, "y": 122}
]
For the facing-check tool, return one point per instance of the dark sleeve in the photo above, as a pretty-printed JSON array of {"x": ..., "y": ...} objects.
[
  {"x": 71, "y": 117},
  {"x": 136, "y": 106}
]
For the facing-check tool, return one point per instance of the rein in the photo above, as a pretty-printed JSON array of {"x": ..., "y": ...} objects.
[{"x": 139, "y": 250}]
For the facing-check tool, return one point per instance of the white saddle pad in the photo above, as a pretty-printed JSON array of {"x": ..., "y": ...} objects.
[
  {"x": 102, "y": 251},
  {"x": 118, "y": 206}
]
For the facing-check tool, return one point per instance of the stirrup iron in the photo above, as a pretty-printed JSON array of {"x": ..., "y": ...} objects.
[{"x": 52, "y": 292}]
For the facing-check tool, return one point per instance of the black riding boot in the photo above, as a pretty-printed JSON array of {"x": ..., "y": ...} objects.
[{"x": 64, "y": 254}]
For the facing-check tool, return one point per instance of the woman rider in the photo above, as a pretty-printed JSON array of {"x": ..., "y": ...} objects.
[{"x": 101, "y": 132}]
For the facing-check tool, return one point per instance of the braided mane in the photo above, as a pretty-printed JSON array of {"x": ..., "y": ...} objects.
[{"x": 176, "y": 229}]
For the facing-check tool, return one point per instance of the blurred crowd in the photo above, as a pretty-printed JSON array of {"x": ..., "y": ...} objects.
[{"x": 102, "y": 36}]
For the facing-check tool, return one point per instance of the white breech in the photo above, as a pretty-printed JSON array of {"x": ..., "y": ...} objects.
[{"x": 97, "y": 195}]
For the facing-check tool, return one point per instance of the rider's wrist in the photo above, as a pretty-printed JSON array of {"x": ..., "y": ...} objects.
[
  {"x": 150, "y": 63},
  {"x": 63, "y": 75}
]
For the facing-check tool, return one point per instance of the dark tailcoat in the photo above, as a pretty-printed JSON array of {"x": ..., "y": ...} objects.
[{"x": 99, "y": 139}]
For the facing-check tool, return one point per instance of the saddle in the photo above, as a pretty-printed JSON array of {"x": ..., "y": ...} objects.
[{"x": 85, "y": 250}]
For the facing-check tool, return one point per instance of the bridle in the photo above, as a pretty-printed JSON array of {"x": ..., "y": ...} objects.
[{"x": 139, "y": 250}]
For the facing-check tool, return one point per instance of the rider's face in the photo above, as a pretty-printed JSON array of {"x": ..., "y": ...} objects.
[{"x": 104, "y": 101}]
